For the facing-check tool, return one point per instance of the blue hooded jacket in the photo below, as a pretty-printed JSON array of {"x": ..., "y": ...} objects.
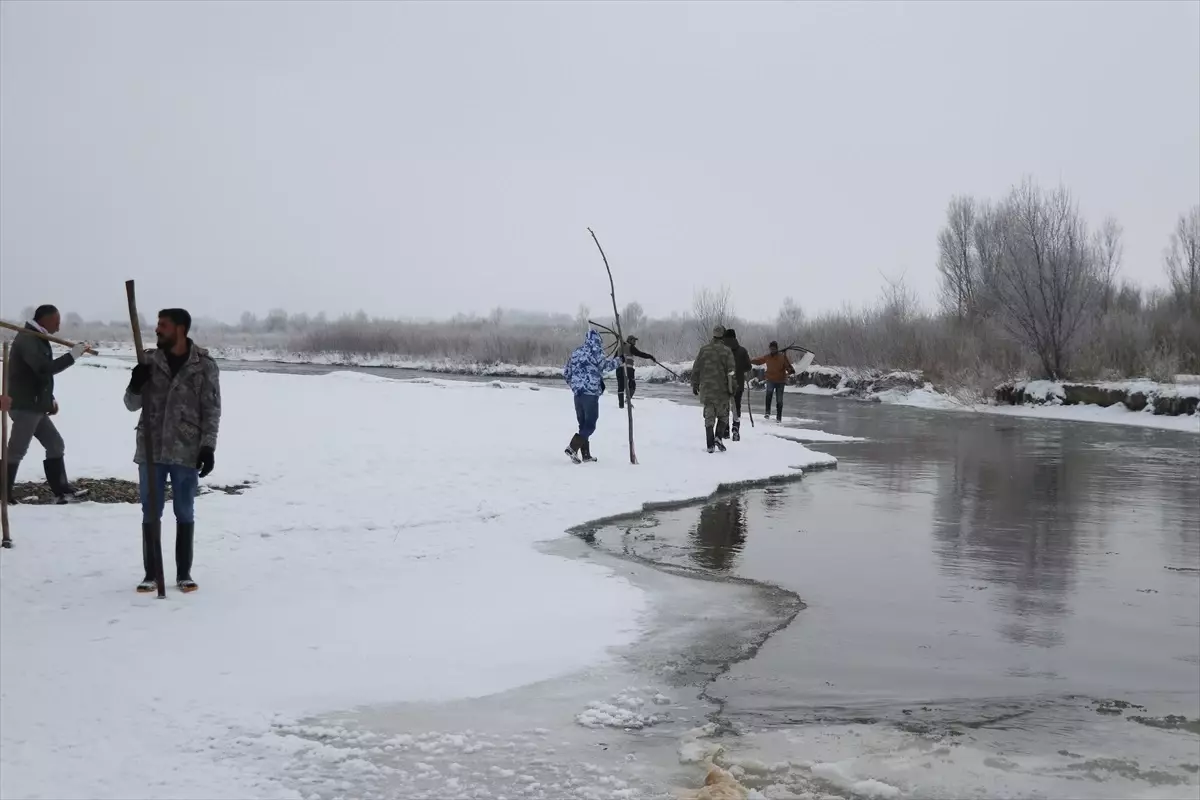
[{"x": 587, "y": 365}]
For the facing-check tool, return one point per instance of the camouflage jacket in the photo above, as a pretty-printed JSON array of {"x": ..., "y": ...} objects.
[
  {"x": 712, "y": 368},
  {"x": 183, "y": 412}
]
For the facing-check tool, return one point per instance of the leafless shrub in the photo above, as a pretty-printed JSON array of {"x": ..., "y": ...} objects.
[{"x": 709, "y": 309}]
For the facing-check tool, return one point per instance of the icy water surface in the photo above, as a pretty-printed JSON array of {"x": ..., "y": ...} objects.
[{"x": 995, "y": 607}]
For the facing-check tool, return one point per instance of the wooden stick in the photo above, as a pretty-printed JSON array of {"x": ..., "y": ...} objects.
[
  {"x": 151, "y": 535},
  {"x": 46, "y": 336},
  {"x": 6, "y": 540},
  {"x": 620, "y": 337}
]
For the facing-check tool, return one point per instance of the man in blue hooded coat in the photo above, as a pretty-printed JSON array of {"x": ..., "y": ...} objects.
[{"x": 584, "y": 373}]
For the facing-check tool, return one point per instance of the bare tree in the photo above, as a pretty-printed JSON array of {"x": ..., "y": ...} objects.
[
  {"x": 790, "y": 317},
  {"x": 581, "y": 317},
  {"x": 1049, "y": 273},
  {"x": 1182, "y": 260},
  {"x": 276, "y": 321},
  {"x": 709, "y": 309},
  {"x": 1110, "y": 250},
  {"x": 899, "y": 301},
  {"x": 633, "y": 317},
  {"x": 958, "y": 258}
]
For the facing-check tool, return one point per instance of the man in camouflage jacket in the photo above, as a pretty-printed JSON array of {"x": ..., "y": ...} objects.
[
  {"x": 178, "y": 392},
  {"x": 711, "y": 379}
]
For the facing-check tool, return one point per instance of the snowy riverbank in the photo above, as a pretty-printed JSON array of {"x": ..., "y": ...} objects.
[
  {"x": 383, "y": 553},
  {"x": 1052, "y": 405},
  {"x": 1096, "y": 402}
]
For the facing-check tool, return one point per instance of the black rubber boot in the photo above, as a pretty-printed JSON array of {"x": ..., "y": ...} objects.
[
  {"x": 185, "y": 534},
  {"x": 56, "y": 476},
  {"x": 711, "y": 438},
  {"x": 737, "y": 430},
  {"x": 11, "y": 481},
  {"x": 573, "y": 448},
  {"x": 587, "y": 452},
  {"x": 148, "y": 531}
]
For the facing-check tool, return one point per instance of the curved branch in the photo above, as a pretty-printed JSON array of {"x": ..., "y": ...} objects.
[{"x": 612, "y": 291}]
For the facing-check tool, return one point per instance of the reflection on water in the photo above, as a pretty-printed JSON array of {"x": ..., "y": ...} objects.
[
  {"x": 960, "y": 558},
  {"x": 719, "y": 534},
  {"x": 1007, "y": 512}
]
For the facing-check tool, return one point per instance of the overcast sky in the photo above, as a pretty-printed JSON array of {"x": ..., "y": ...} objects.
[{"x": 417, "y": 159}]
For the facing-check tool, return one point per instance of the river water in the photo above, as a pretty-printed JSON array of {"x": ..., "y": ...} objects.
[
  {"x": 994, "y": 607},
  {"x": 968, "y": 606}
]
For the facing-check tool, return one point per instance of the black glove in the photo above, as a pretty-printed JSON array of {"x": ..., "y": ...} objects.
[
  {"x": 141, "y": 374},
  {"x": 206, "y": 461}
]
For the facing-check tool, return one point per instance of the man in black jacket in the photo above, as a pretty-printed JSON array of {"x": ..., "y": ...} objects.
[
  {"x": 626, "y": 375},
  {"x": 31, "y": 389},
  {"x": 741, "y": 358}
]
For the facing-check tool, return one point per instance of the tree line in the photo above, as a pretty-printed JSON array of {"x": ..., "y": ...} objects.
[{"x": 1026, "y": 288}]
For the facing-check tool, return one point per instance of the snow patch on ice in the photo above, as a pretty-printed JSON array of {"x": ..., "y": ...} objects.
[{"x": 626, "y": 710}]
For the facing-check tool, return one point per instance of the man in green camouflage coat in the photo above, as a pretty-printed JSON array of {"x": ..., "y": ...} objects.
[
  {"x": 711, "y": 373},
  {"x": 178, "y": 391}
]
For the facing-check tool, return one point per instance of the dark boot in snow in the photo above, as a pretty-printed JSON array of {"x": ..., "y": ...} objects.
[
  {"x": 573, "y": 448},
  {"x": 779, "y": 415},
  {"x": 11, "y": 481},
  {"x": 185, "y": 534},
  {"x": 737, "y": 430},
  {"x": 149, "y": 530},
  {"x": 56, "y": 477},
  {"x": 711, "y": 439},
  {"x": 720, "y": 445},
  {"x": 587, "y": 452}
]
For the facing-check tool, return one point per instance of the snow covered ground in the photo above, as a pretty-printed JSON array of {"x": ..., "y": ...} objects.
[{"x": 384, "y": 553}]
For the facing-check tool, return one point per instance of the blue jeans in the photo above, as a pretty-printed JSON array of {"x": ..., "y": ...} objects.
[
  {"x": 773, "y": 388},
  {"x": 184, "y": 483},
  {"x": 587, "y": 411}
]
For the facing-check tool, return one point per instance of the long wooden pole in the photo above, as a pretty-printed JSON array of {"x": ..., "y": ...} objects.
[
  {"x": 151, "y": 534},
  {"x": 620, "y": 337},
  {"x": 40, "y": 335},
  {"x": 6, "y": 541}
]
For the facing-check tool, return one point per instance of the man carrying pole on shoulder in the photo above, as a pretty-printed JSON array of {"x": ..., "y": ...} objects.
[
  {"x": 31, "y": 396},
  {"x": 778, "y": 369}
]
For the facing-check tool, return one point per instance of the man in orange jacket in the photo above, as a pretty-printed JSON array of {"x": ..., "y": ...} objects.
[{"x": 778, "y": 368}]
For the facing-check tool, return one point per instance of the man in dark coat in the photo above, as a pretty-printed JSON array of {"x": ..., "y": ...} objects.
[
  {"x": 31, "y": 393},
  {"x": 627, "y": 377},
  {"x": 742, "y": 367}
]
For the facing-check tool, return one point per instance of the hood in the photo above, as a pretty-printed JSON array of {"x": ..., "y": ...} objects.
[{"x": 594, "y": 344}]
